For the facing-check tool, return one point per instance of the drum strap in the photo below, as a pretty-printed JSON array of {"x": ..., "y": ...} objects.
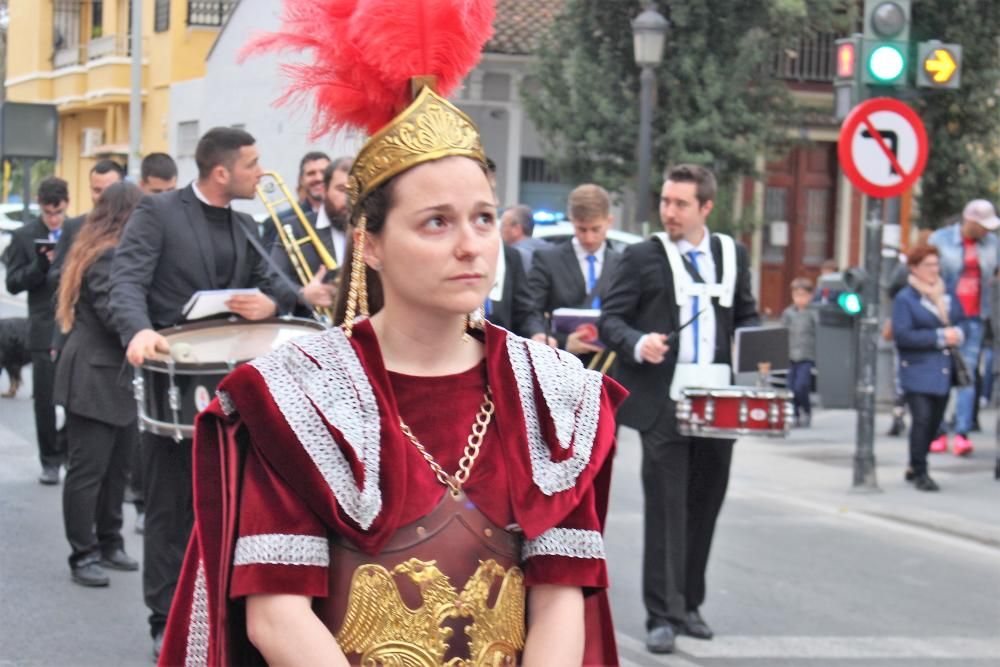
[
  {"x": 275, "y": 269},
  {"x": 686, "y": 287}
]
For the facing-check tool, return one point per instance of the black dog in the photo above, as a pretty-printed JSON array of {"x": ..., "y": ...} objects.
[{"x": 14, "y": 352}]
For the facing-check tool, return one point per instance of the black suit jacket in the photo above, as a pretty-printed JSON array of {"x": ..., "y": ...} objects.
[
  {"x": 165, "y": 256},
  {"x": 556, "y": 281},
  {"x": 91, "y": 378},
  {"x": 513, "y": 311},
  {"x": 281, "y": 260},
  {"x": 640, "y": 300},
  {"x": 27, "y": 271}
]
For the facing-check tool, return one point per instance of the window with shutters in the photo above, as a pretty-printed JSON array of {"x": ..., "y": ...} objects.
[{"x": 161, "y": 16}]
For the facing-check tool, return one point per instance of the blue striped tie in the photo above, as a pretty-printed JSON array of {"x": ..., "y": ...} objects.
[
  {"x": 592, "y": 280},
  {"x": 693, "y": 256}
]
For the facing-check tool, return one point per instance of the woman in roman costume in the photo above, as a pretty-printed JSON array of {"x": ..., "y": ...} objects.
[{"x": 413, "y": 486}]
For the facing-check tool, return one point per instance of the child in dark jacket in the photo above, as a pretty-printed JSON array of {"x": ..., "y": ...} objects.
[{"x": 801, "y": 323}]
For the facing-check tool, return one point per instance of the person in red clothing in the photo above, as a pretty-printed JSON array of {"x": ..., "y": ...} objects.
[{"x": 415, "y": 485}]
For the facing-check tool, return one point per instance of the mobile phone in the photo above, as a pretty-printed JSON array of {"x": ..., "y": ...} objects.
[{"x": 43, "y": 246}]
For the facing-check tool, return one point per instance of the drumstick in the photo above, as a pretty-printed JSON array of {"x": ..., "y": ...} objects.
[{"x": 674, "y": 335}]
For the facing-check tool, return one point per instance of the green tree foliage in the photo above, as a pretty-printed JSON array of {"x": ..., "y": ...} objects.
[
  {"x": 963, "y": 126},
  {"x": 716, "y": 101}
]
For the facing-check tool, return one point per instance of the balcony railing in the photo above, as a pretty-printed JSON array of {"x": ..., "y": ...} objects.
[
  {"x": 67, "y": 57},
  {"x": 210, "y": 13},
  {"x": 109, "y": 45},
  {"x": 811, "y": 59}
]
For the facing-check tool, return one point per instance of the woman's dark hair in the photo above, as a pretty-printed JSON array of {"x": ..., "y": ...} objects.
[
  {"x": 919, "y": 253},
  {"x": 375, "y": 208},
  {"x": 101, "y": 230}
]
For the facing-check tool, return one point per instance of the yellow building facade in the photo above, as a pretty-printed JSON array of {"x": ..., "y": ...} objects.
[{"x": 76, "y": 54}]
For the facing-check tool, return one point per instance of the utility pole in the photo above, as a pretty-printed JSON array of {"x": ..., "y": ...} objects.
[
  {"x": 135, "y": 98},
  {"x": 868, "y": 331}
]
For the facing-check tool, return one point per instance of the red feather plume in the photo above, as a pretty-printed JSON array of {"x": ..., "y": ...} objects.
[{"x": 364, "y": 53}]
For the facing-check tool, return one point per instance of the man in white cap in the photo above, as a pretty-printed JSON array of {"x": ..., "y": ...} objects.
[{"x": 968, "y": 263}]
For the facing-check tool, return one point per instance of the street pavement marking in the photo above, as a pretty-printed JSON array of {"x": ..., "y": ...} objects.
[
  {"x": 868, "y": 648},
  {"x": 632, "y": 644},
  {"x": 860, "y": 515}
]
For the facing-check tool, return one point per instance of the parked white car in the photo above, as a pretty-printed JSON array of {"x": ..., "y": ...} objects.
[
  {"x": 563, "y": 231},
  {"x": 10, "y": 221}
]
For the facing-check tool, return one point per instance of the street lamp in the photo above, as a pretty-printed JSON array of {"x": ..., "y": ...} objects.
[{"x": 649, "y": 32}]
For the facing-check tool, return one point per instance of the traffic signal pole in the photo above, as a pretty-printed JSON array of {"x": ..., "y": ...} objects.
[{"x": 868, "y": 331}]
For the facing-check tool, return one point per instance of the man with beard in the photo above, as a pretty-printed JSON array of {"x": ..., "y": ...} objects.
[
  {"x": 330, "y": 223},
  {"x": 310, "y": 188},
  {"x": 684, "y": 274}
]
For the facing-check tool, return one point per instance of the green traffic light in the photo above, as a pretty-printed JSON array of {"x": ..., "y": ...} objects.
[
  {"x": 886, "y": 63},
  {"x": 849, "y": 302}
]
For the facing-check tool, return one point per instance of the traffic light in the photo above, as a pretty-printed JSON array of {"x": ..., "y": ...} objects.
[
  {"x": 939, "y": 65},
  {"x": 847, "y": 83},
  {"x": 845, "y": 288},
  {"x": 885, "y": 53}
]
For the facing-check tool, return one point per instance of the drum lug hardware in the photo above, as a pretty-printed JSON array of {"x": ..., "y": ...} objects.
[
  {"x": 710, "y": 411},
  {"x": 744, "y": 412},
  {"x": 231, "y": 364}
]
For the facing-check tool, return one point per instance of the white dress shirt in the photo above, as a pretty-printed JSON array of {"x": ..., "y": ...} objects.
[
  {"x": 338, "y": 237},
  {"x": 706, "y": 321},
  {"x": 200, "y": 197},
  {"x": 581, "y": 258}
]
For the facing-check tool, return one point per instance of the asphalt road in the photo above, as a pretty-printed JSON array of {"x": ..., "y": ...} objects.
[{"x": 802, "y": 572}]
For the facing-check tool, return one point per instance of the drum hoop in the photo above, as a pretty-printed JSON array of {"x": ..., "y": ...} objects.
[
  {"x": 713, "y": 431},
  {"x": 738, "y": 392},
  {"x": 189, "y": 368}
]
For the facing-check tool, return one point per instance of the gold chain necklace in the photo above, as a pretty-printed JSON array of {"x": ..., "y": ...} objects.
[{"x": 475, "y": 441}]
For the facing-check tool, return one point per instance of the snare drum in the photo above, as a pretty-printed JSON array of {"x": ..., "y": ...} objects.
[
  {"x": 734, "y": 411},
  {"x": 171, "y": 390}
]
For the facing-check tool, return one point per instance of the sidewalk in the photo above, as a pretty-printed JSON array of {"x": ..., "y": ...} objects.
[{"x": 815, "y": 466}]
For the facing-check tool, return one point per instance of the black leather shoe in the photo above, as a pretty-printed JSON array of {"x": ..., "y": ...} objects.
[
  {"x": 119, "y": 560},
  {"x": 925, "y": 483},
  {"x": 695, "y": 626},
  {"x": 909, "y": 475},
  {"x": 661, "y": 639},
  {"x": 90, "y": 574},
  {"x": 49, "y": 476},
  {"x": 897, "y": 427}
]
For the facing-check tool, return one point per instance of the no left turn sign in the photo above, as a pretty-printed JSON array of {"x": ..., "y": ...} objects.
[{"x": 882, "y": 147}]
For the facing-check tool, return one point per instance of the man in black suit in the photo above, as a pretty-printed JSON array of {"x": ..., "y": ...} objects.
[
  {"x": 684, "y": 479},
  {"x": 28, "y": 266},
  {"x": 575, "y": 274},
  {"x": 330, "y": 223},
  {"x": 175, "y": 244},
  {"x": 512, "y": 310},
  {"x": 310, "y": 188}
]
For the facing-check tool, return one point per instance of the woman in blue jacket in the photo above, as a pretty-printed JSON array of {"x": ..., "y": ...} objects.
[{"x": 924, "y": 318}]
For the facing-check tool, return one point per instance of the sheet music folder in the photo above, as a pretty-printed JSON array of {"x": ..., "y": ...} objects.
[{"x": 205, "y": 303}]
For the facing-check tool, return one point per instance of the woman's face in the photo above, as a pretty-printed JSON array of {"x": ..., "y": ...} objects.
[
  {"x": 928, "y": 270},
  {"x": 439, "y": 246}
]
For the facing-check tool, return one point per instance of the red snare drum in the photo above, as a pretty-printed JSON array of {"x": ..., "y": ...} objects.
[{"x": 733, "y": 411}]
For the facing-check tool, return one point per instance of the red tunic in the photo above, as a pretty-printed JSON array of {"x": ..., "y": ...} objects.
[{"x": 306, "y": 442}]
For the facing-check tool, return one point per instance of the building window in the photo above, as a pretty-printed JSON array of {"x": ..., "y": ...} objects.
[
  {"x": 66, "y": 33},
  {"x": 210, "y": 13},
  {"x": 161, "y": 16},
  {"x": 96, "y": 18},
  {"x": 187, "y": 138},
  {"x": 535, "y": 170}
]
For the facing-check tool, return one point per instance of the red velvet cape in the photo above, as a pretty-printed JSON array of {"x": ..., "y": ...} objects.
[{"x": 206, "y": 627}]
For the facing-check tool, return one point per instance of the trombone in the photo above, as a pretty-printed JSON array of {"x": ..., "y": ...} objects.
[{"x": 271, "y": 182}]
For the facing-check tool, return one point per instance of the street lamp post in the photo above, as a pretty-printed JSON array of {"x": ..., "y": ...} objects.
[{"x": 649, "y": 32}]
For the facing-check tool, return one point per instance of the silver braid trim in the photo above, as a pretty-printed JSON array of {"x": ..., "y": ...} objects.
[
  {"x": 281, "y": 549},
  {"x": 317, "y": 378},
  {"x": 226, "y": 403},
  {"x": 573, "y": 396},
  {"x": 198, "y": 632},
  {"x": 569, "y": 542}
]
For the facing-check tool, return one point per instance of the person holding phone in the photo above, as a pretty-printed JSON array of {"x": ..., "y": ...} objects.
[{"x": 29, "y": 259}]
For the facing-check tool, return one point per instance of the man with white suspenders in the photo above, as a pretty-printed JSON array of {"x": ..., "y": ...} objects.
[{"x": 685, "y": 274}]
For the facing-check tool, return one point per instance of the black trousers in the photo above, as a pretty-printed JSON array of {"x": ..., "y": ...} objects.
[
  {"x": 684, "y": 483},
  {"x": 166, "y": 467},
  {"x": 926, "y": 412},
  {"x": 51, "y": 443},
  {"x": 96, "y": 474}
]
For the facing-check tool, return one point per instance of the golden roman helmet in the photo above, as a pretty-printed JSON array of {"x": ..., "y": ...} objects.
[{"x": 429, "y": 129}]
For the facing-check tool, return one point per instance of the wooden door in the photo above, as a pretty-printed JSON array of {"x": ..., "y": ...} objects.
[{"x": 799, "y": 221}]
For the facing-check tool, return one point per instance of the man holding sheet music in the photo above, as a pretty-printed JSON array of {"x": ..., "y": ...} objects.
[
  {"x": 670, "y": 313},
  {"x": 574, "y": 274},
  {"x": 174, "y": 245}
]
